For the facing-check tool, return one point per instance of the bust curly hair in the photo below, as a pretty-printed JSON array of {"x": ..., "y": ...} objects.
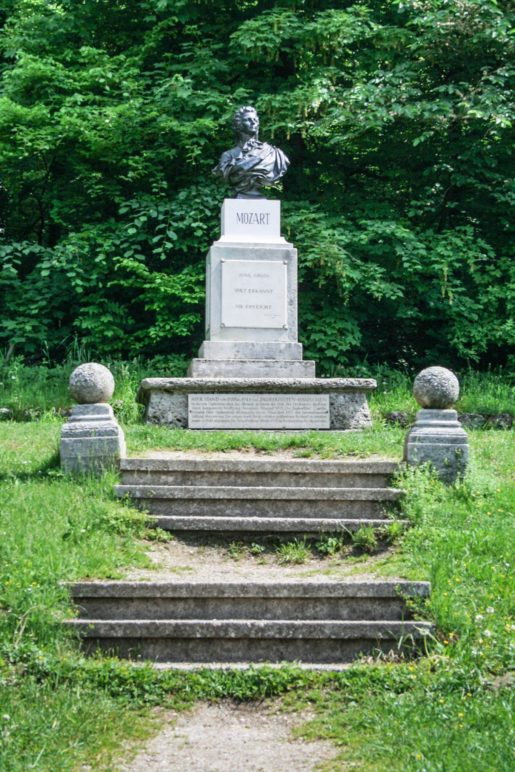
[
  {"x": 237, "y": 120},
  {"x": 251, "y": 164}
]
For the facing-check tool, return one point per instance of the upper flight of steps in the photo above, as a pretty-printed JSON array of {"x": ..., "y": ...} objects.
[{"x": 259, "y": 495}]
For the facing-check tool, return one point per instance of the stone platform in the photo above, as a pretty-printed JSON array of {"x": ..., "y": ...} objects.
[{"x": 257, "y": 403}]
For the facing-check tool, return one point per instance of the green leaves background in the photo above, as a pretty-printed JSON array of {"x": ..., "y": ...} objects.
[{"x": 396, "y": 117}]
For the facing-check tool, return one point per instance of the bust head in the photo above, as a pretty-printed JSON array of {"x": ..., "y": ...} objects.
[
  {"x": 251, "y": 164},
  {"x": 246, "y": 122}
]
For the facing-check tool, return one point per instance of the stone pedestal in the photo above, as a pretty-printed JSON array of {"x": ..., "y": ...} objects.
[
  {"x": 91, "y": 440},
  {"x": 249, "y": 373},
  {"x": 251, "y": 298},
  {"x": 439, "y": 439},
  {"x": 257, "y": 403}
]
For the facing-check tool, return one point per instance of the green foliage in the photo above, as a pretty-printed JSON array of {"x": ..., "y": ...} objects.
[
  {"x": 329, "y": 545},
  {"x": 296, "y": 551},
  {"x": 364, "y": 539},
  {"x": 397, "y": 120}
]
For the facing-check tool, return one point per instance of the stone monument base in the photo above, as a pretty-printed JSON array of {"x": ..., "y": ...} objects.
[
  {"x": 91, "y": 440},
  {"x": 439, "y": 439},
  {"x": 251, "y": 368},
  {"x": 257, "y": 403}
]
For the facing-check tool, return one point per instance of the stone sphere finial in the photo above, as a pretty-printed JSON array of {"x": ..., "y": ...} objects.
[
  {"x": 90, "y": 383},
  {"x": 436, "y": 388}
]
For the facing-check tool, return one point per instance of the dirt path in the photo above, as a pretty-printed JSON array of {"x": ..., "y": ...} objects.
[
  {"x": 228, "y": 737},
  {"x": 180, "y": 560}
]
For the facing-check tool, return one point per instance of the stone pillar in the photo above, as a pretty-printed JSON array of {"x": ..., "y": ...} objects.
[
  {"x": 437, "y": 436},
  {"x": 92, "y": 439},
  {"x": 251, "y": 298}
]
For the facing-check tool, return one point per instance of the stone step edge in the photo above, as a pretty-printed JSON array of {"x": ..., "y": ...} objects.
[
  {"x": 249, "y": 628},
  {"x": 254, "y": 385},
  {"x": 292, "y": 589},
  {"x": 266, "y": 524},
  {"x": 267, "y": 493},
  {"x": 294, "y": 466}
]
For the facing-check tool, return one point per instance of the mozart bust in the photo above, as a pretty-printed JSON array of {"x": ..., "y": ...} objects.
[{"x": 251, "y": 164}]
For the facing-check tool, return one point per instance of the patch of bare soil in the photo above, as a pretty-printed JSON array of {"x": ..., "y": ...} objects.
[
  {"x": 256, "y": 453},
  {"x": 182, "y": 560},
  {"x": 229, "y": 737}
]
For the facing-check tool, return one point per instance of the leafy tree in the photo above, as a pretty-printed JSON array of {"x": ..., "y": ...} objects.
[{"x": 397, "y": 120}]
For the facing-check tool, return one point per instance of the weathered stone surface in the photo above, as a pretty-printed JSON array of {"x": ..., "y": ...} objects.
[
  {"x": 248, "y": 628},
  {"x": 250, "y": 350},
  {"x": 314, "y": 653},
  {"x": 168, "y": 469},
  {"x": 251, "y": 368},
  {"x": 164, "y": 407},
  {"x": 160, "y": 461},
  {"x": 500, "y": 421},
  {"x": 264, "y": 385},
  {"x": 292, "y": 589},
  {"x": 354, "y": 510},
  {"x": 246, "y": 600},
  {"x": 91, "y": 383},
  {"x": 436, "y": 387},
  {"x": 438, "y": 438},
  {"x": 211, "y": 493},
  {"x": 398, "y": 418},
  {"x": 349, "y": 411},
  {"x": 166, "y": 399},
  {"x": 472, "y": 420},
  {"x": 244, "y": 641},
  {"x": 91, "y": 440}
]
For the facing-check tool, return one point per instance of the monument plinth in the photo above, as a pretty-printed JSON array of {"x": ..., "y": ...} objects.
[
  {"x": 251, "y": 298},
  {"x": 249, "y": 373}
]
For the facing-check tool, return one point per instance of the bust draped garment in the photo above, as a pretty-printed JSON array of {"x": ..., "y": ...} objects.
[{"x": 250, "y": 166}]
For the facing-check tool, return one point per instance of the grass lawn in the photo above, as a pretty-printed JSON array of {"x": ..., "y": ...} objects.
[{"x": 451, "y": 710}]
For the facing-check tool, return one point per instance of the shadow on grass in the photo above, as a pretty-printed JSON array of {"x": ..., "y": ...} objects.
[{"x": 51, "y": 467}]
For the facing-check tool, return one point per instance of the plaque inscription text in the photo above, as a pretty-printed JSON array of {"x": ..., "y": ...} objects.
[
  {"x": 253, "y": 293},
  {"x": 258, "y": 411}
]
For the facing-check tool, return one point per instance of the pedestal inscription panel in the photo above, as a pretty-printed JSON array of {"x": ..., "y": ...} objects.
[
  {"x": 258, "y": 411},
  {"x": 253, "y": 293}
]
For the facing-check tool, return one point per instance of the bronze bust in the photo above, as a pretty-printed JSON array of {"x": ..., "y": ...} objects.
[{"x": 251, "y": 164}]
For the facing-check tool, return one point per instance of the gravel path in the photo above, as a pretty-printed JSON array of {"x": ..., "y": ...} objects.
[
  {"x": 180, "y": 560},
  {"x": 228, "y": 737}
]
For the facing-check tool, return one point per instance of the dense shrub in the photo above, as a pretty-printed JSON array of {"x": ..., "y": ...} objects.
[{"x": 396, "y": 116}]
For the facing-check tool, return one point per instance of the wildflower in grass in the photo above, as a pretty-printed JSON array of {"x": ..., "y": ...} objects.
[
  {"x": 487, "y": 634},
  {"x": 490, "y": 610},
  {"x": 479, "y": 617}
]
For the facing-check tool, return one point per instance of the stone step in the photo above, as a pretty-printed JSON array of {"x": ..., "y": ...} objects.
[
  {"x": 253, "y": 479},
  {"x": 249, "y": 501},
  {"x": 255, "y": 640},
  {"x": 168, "y": 469},
  {"x": 268, "y": 525},
  {"x": 353, "y": 600}
]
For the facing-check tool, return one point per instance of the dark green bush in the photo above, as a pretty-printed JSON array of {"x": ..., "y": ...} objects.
[{"x": 396, "y": 116}]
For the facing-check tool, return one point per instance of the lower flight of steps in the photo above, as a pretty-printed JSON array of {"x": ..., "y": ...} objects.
[
  {"x": 313, "y": 622},
  {"x": 255, "y": 495}
]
